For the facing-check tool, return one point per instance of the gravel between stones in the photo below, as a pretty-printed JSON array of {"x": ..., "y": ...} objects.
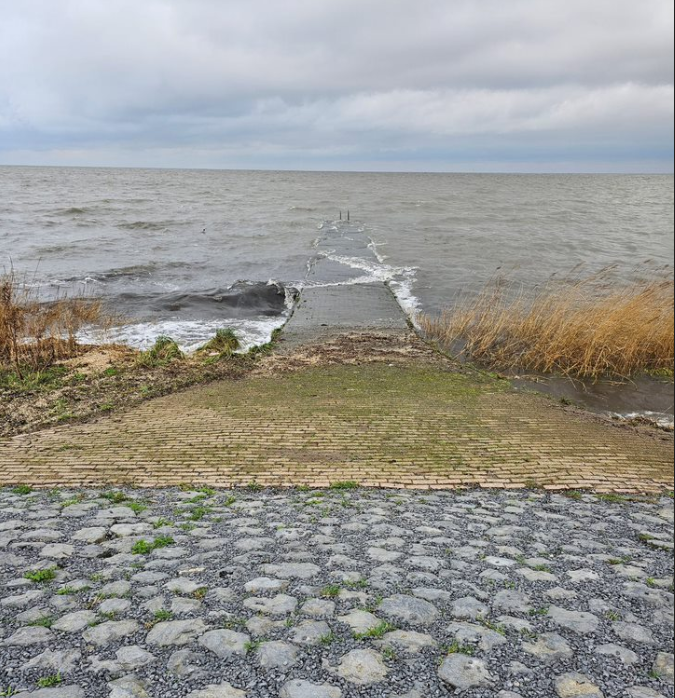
[{"x": 334, "y": 594}]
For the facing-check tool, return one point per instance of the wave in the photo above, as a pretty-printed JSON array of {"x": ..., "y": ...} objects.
[
  {"x": 72, "y": 211},
  {"x": 147, "y": 225},
  {"x": 135, "y": 272},
  {"x": 243, "y": 300},
  {"x": 252, "y": 310},
  {"x": 190, "y": 335},
  {"x": 401, "y": 280},
  {"x": 658, "y": 419}
]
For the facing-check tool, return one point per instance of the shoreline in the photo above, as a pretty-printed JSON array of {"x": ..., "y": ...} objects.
[
  {"x": 380, "y": 410},
  {"x": 107, "y": 380}
]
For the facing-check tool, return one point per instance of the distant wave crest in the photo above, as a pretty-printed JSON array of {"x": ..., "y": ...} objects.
[{"x": 145, "y": 225}]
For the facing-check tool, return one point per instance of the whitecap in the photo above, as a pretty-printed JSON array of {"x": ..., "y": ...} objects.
[
  {"x": 189, "y": 335},
  {"x": 658, "y": 419}
]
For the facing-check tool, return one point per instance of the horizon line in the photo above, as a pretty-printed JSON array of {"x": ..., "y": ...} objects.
[{"x": 325, "y": 171}]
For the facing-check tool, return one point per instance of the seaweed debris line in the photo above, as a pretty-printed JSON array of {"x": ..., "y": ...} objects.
[{"x": 346, "y": 289}]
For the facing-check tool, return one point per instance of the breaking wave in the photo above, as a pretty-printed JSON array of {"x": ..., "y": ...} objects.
[{"x": 243, "y": 300}]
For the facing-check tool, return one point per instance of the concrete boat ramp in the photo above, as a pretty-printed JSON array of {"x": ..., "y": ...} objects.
[{"x": 346, "y": 290}]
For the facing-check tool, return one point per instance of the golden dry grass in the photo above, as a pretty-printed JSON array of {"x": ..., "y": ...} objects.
[
  {"x": 585, "y": 328},
  {"x": 33, "y": 334}
]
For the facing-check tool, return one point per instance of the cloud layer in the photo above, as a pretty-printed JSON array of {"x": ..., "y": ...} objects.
[{"x": 374, "y": 84}]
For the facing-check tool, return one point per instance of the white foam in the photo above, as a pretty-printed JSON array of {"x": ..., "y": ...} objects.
[
  {"x": 189, "y": 335},
  {"x": 356, "y": 281},
  {"x": 659, "y": 419},
  {"x": 401, "y": 280},
  {"x": 373, "y": 247},
  {"x": 403, "y": 290}
]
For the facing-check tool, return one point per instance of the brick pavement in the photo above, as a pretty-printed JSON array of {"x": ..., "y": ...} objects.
[{"x": 401, "y": 426}]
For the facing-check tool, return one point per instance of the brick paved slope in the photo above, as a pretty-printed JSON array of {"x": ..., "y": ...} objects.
[{"x": 409, "y": 424}]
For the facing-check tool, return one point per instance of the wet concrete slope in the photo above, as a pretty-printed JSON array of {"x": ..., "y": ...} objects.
[{"x": 344, "y": 289}]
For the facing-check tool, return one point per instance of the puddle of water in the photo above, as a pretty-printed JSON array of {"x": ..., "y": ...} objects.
[{"x": 643, "y": 398}]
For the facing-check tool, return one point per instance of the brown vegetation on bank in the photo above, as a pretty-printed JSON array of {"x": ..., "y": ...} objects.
[
  {"x": 47, "y": 378},
  {"x": 34, "y": 335},
  {"x": 586, "y": 328}
]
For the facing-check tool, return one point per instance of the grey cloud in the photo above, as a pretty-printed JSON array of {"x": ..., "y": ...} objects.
[{"x": 358, "y": 75}]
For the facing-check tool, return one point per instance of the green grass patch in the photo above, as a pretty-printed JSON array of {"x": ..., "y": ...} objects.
[
  {"x": 198, "y": 513},
  {"x": 327, "y": 640},
  {"x": 31, "y": 381},
  {"x": 224, "y": 344},
  {"x": 50, "y": 681},
  {"x": 376, "y": 633},
  {"x": 136, "y": 507},
  {"x": 612, "y": 498},
  {"x": 332, "y": 591},
  {"x": 164, "y": 352},
  {"x": 495, "y": 627},
  {"x": 69, "y": 591},
  {"x": 661, "y": 373},
  {"x": 45, "y": 622},
  {"x": 263, "y": 349},
  {"x": 161, "y": 523},
  {"x": 115, "y": 497},
  {"x": 542, "y": 568},
  {"x": 144, "y": 547},
  {"x": 353, "y": 586},
  {"x": 458, "y": 648},
  {"x": 77, "y": 499},
  {"x": 539, "y": 612},
  {"x": 41, "y": 576},
  {"x": 345, "y": 486}
]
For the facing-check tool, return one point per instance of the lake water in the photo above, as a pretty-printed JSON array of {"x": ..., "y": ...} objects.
[{"x": 184, "y": 252}]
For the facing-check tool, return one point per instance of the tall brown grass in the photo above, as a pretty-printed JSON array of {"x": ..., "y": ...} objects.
[
  {"x": 585, "y": 328},
  {"x": 33, "y": 334}
]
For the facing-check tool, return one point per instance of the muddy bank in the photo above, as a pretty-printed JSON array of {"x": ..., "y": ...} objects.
[
  {"x": 102, "y": 380},
  {"x": 110, "y": 379}
]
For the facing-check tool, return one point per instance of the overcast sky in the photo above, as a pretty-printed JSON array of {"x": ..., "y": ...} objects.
[{"x": 450, "y": 85}]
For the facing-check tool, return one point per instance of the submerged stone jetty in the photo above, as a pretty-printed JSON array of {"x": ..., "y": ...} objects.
[
  {"x": 337, "y": 593},
  {"x": 348, "y": 288}
]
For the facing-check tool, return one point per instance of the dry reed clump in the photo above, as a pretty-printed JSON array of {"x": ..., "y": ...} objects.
[
  {"x": 585, "y": 329},
  {"x": 34, "y": 335}
]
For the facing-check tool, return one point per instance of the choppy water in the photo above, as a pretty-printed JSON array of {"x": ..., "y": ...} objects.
[{"x": 186, "y": 252}]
